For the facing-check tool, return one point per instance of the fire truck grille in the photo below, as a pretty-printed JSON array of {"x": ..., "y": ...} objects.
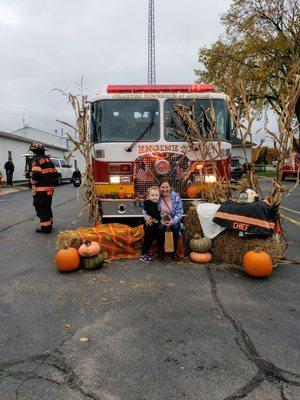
[{"x": 145, "y": 175}]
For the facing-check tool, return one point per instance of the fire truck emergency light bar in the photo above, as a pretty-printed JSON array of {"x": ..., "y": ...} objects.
[{"x": 197, "y": 88}]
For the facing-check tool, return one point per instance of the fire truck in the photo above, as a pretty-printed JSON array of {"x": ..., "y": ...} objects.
[{"x": 134, "y": 145}]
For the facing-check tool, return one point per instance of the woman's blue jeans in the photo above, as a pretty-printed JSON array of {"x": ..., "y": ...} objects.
[{"x": 161, "y": 236}]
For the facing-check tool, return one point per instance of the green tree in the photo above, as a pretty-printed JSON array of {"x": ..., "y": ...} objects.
[{"x": 261, "y": 46}]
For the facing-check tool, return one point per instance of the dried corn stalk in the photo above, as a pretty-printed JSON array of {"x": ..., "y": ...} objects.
[
  {"x": 243, "y": 118},
  {"x": 80, "y": 106},
  {"x": 201, "y": 142},
  {"x": 286, "y": 131}
]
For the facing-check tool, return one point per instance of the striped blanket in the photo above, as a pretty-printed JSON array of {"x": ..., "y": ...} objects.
[{"x": 119, "y": 241}]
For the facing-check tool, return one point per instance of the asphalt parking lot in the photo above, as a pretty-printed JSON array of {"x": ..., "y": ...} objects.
[{"x": 141, "y": 332}]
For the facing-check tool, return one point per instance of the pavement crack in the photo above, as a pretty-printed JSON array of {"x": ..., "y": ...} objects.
[
  {"x": 255, "y": 382},
  {"x": 282, "y": 394},
  {"x": 267, "y": 370},
  {"x": 58, "y": 362}
]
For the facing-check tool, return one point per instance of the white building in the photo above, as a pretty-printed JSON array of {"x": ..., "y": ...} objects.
[
  {"x": 53, "y": 139},
  {"x": 15, "y": 146},
  {"x": 238, "y": 150}
]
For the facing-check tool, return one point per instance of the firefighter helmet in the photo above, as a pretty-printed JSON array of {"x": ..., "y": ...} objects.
[{"x": 37, "y": 147}]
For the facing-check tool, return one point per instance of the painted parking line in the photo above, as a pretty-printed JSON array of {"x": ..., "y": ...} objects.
[
  {"x": 289, "y": 209},
  {"x": 293, "y": 221}
]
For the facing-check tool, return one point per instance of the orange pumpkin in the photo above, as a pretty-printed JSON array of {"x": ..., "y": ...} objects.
[
  {"x": 257, "y": 264},
  {"x": 122, "y": 193},
  {"x": 67, "y": 260},
  {"x": 200, "y": 257},
  {"x": 192, "y": 192},
  {"x": 89, "y": 249}
]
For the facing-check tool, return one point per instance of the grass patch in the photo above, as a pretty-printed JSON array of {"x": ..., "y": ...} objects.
[{"x": 268, "y": 174}]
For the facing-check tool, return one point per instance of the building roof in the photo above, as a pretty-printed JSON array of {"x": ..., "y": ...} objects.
[
  {"x": 29, "y": 140},
  {"x": 237, "y": 142}
]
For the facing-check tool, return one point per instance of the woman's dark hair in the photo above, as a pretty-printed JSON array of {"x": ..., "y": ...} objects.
[{"x": 164, "y": 181}]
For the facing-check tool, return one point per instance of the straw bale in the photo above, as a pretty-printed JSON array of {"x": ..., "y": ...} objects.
[
  {"x": 230, "y": 248},
  {"x": 67, "y": 239},
  {"x": 192, "y": 223}
]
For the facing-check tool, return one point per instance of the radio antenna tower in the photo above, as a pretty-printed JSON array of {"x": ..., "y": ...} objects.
[{"x": 151, "y": 45}]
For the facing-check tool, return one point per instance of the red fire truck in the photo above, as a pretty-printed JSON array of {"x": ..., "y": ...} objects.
[{"x": 134, "y": 145}]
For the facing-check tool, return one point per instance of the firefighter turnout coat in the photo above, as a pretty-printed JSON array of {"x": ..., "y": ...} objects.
[{"x": 43, "y": 176}]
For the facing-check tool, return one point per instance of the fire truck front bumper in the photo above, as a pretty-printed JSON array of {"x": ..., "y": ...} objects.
[{"x": 128, "y": 208}]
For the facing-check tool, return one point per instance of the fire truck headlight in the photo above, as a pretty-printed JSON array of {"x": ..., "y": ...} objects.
[
  {"x": 125, "y": 179},
  {"x": 115, "y": 179},
  {"x": 210, "y": 179}
]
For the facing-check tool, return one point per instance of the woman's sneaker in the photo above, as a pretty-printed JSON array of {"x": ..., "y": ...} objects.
[{"x": 145, "y": 258}]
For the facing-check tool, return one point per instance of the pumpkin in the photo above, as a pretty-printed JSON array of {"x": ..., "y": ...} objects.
[
  {"x": 89, "y": 249},
  {"x": 200, "y": 257},
  {"x": 257, "y": 264},
  {"x": 122, "y": 193},
  {"x": 67, "y": 260},
  {"x": 199, "y": 244},
  {"x": 192, "y": 192},
  {"x": 93, "y": 262}
]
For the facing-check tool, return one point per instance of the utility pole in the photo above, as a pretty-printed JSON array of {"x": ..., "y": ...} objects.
[{"x": 151, "y": 45}]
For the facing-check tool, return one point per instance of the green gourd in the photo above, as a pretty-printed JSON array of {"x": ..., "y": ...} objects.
[
  {"x": 95, "y": 262},
  {"x": 199, "y": 244}
]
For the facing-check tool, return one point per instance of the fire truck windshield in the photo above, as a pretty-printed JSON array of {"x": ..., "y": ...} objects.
[
  {"x": 124, "y": 120},
  {"x": 202, "y": 114}
]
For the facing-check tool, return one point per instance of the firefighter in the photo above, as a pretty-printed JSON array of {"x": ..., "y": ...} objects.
[{"x": 42, "y": 179}]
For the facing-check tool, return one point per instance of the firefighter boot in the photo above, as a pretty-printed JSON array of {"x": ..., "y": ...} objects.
[{"x": 44, "y": 229}]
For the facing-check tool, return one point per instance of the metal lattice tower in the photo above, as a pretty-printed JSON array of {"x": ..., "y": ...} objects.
[{"x": 151, "y": 45}]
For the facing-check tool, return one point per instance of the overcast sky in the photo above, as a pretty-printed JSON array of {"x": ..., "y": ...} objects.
[{"x": 51, "y": 43}]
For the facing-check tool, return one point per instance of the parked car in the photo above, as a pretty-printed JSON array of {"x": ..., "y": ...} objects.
[
  {"x": 65, "y": 171},
  {"x": 288, "y": 170},
  {"x": 237, "y": 169}
]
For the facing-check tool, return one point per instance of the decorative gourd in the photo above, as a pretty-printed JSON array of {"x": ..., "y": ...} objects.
[
  {"x": 199, "y": 244},
  {"x": 200, "y": 257},
  {"x": 67, "y": 260},
  {"x": 192, "y": 192},
  {"x": 257, "y": 264},
  {"x": 89, "y": 249},
  {"x": 93, "y": 262},
  {"x": 122, "y": 193}
]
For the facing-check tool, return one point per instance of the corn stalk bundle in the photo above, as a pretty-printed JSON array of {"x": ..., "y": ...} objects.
[
  {"x": 285, "y": 138},
  {"x": 200, "y": 137},
  {"x": 80, "y": 106}
]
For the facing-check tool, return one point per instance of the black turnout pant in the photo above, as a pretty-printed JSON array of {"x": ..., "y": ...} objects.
[{"x": 42, "y": 203}]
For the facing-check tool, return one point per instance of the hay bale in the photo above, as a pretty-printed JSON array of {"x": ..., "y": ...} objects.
[
  {"x": 230, "y": 248},
  {"x": 192, "y": 223},
  {"x": 67, "y": 239}
]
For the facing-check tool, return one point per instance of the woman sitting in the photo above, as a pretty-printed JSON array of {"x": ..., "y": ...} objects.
[{"x": 171, "y": 210}]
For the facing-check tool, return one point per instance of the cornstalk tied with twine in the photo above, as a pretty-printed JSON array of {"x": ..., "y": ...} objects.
[
  {"x": 83, "y": 145},
  {"x": 243, "y": 117},
  {"x": 286, "y": 132},
  {"x": 200, "y": 137}
]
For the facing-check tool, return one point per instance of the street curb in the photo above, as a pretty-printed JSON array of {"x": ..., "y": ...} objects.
[{"x": 15, "y": 189}]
